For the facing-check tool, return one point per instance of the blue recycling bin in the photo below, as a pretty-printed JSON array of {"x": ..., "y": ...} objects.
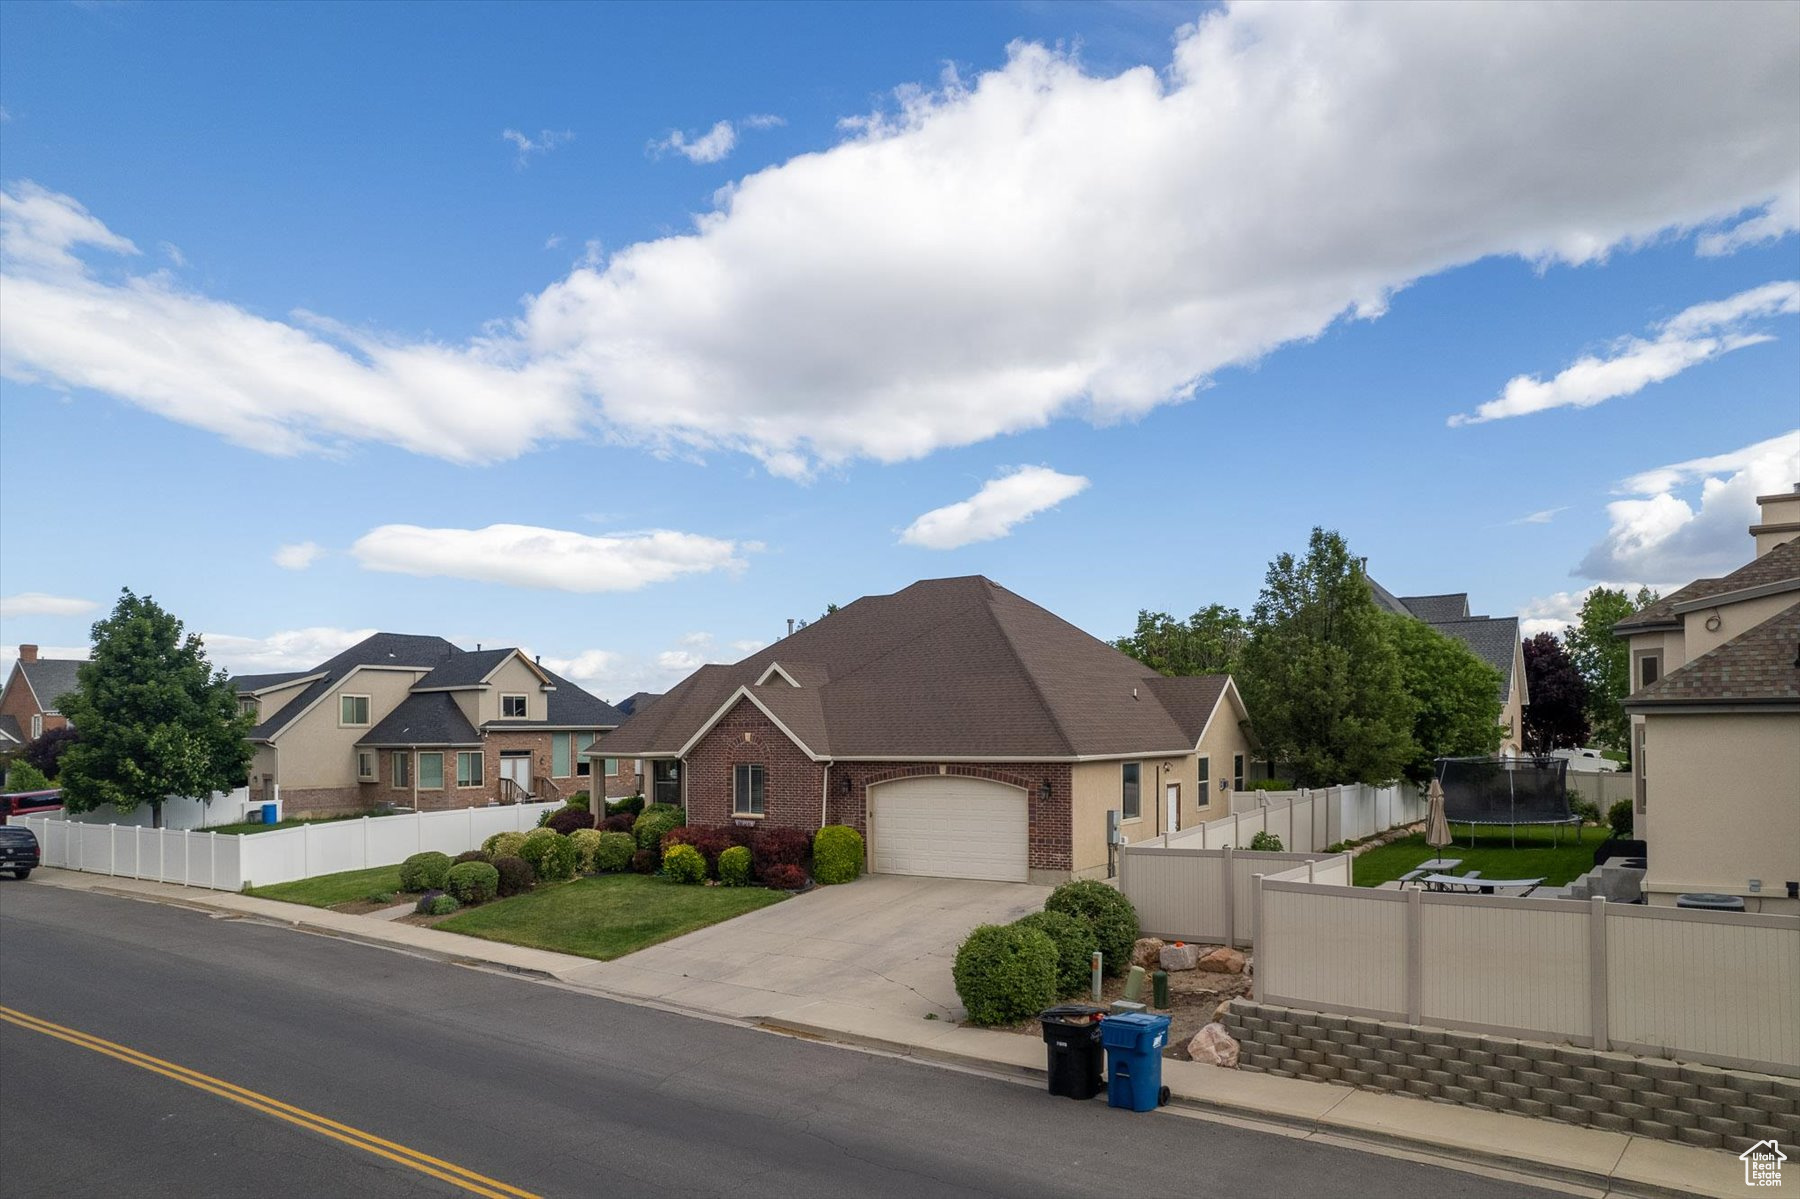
[
  {"x": 1134, "y": 1042},
  {"x": 268, "y": 815}
]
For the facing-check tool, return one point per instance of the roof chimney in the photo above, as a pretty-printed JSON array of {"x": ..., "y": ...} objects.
[
  {"x": 1778, "y": 520},
  {"x": 28, "y": 653}
]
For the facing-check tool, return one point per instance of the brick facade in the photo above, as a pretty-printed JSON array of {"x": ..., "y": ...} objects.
[
  {"x": 16, "y": 701},
  {"x": 793, "y": 783}
]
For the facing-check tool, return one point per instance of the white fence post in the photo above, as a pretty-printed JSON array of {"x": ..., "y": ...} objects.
[
  {"x": 212, "y": 861},
  {"x": 365, "y": 832},
  {"x": 112, "y": 850},
  {"x": 1598, "y": 1018}
]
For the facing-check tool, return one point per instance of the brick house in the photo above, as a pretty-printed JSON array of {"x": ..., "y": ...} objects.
[
  {"x": 420, "y": 723},
  {"x": 28, "y": 704},
  {"x": 965, "y": 731}
]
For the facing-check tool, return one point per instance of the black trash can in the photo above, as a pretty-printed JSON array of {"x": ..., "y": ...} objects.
[{"x": 1072, "y": 1043}]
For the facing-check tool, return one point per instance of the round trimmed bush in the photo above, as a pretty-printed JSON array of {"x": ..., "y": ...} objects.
[
  {"x": 618, "y": 823},
  {"x": 684, "y": 864},
  {"x": 631, "y": 805},
  {"x": 516, "y": 876},
  {"x": 1075, "y": 945},
  {"x": 567, "y": 820},
  {"x": 579, "y": 800},
  {"x": 783, "y": 878},
  {"x": 734, "y": 866},
  {"x": 472, "y": 882},
  {"x": 644, "y": 861},
  {"x": 1005, "y": 973},
  {"x": 552, "y": 855},
  {"x": 771, "y": 847},
  {"x": 586, "y": 842},
  {"x": 1619, "y": 816},
  {"x": 613, "y": 853},
  {"x": 837, "y": 854},
  {"x": 424, "y": 871},
  {"x": 504, "y": 845},
  {"x": 471, "y": 855},
  {"x": 650, "y": 827},
  {"x": 1107, "y": 912},
  {"x": 443, "y": 905}
]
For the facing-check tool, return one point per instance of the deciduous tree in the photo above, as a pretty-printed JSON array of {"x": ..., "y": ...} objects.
[
  {"x": 1605, "y": 660},
  {"x": 45, "y": 751},
  {"x": 1556, "y": 717},
  {"x": 1455, "y": 696},
  {"x": 1208, "y": 642}
]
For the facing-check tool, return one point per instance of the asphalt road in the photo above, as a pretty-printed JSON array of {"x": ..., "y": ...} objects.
[{"x": 553, "y": 1092}]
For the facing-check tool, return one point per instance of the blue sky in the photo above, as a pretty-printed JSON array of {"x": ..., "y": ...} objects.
[{"x": 1185, "y": 291}]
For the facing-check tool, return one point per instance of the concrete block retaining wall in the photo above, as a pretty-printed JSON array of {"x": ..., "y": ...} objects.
[{"x": 1650, "y": 1097}]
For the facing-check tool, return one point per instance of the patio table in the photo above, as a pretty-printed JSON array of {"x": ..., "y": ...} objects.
[{"x": 1471, "y": 883}]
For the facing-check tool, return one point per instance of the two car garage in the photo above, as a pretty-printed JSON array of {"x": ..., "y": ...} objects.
[{"x": 949, "y": 826}]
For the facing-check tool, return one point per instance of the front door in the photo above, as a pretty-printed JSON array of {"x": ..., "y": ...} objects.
[
  {"x": 1173, "y": 794},
  {"x": 517, "y": 767}
]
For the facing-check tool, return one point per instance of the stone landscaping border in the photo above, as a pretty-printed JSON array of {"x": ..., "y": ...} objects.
[{"x": 1657, "y": 1098}]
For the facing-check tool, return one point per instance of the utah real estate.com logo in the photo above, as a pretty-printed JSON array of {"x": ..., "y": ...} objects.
[{"x": 1762, "y": 1164}]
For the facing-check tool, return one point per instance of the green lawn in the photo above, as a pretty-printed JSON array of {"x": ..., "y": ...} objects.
[
  {"x": 250, "y": 826},
  {"x": 1537, "y": 856},
  {"x": 607, "y": 916},
  {"x": 327, "y": 889}
]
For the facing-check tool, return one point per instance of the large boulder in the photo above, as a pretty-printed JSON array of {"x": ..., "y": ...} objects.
[
  {"x": 1146, "y": 951},
  {"x": 1213, "y": 1046},
  {"x": 1223, "y": 960},
  {"x": 1177, "y": 957}
]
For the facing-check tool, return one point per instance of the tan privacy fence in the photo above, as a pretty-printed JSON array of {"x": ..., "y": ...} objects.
[
  {"x": 1714, "y": 987},
  {"x": 1185, "y": 893}
]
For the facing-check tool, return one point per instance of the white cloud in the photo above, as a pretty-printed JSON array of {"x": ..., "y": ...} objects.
[
  {"x": 1542, "y": 517},
  {"x": 546, "y": 141},
  {"x": 299, "y": 556},
  {"x": 9, "y": 654},
  {"x": 1555, "y": 613},
  {"x": 173, "y": 253},
  {"x": 1034, "y": 243},
  {"x": 748, "y": 646},
  {"x": 553, "y": 241},
  {"x": 1661, "y": 535},
  {"x": 614, "y": 675},
  {"x": 1003, "y": 502},
  {"x": 764, "y": 120},
  {"x": 528, "y": 556},
  {"x": 711, "y": 146},
  {"x": 1695, "y": 335},
  {"x": 290, "y": 649},
  {"x": 1775, "y": 220},
  {"x": 37, "y": 603}
]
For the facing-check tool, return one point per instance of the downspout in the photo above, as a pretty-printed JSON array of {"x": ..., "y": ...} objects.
[{"x": 825, "y": 797}]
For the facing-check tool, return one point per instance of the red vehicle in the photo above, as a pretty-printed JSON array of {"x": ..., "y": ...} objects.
[{"x": 29, "y": 803}]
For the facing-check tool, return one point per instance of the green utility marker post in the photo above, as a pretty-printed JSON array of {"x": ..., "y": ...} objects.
[{"x": 1159, "y": 989}]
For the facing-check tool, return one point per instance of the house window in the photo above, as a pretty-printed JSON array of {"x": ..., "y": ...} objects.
[
  {"x": 468, "y": 768},
  {"x": 559, "y": 754},
  {"x": 353, "y": 710},
  {"x": 247, "y": 705},
  {"x": 612, "y": 768},
  {"x": 37, "y": 725},
  {"x": 1129, "y": 806},
  {"x": 431, "y": 772},
  {"x": 747, "y": 790},
  {"x": 402, "y": 769},
  {"x": 1237, "y": 772},
  {"x": 584, "y": 765},
  {"x": 1649, "y": 669},
  {"x": 365, "y": 765},
  {"x": 512, "y": 707},
  {"x": 1205, "y": 781}
]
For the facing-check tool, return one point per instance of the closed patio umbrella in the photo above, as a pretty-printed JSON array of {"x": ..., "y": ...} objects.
[{"x": 1437, "y": 826}]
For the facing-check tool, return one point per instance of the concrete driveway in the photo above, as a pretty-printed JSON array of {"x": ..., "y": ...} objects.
[{"x": 882, "y": 945}]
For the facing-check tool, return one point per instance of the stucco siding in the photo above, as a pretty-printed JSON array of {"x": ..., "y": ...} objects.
[
  {"x": 316, "y": 752},
  {"x": 1734, "y": 619},
  {"x": 513, "y": 678}
]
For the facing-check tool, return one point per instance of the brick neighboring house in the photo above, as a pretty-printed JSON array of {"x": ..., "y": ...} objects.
[
  {"x": 28, "y": 704},
  {"x": 420, "y": 723},
  {"x": 967, "y": 732},
  {"x": 1493, "y": 639}
]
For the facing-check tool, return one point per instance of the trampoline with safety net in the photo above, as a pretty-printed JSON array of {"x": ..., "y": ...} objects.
[{"x": 1508, "y": 791}]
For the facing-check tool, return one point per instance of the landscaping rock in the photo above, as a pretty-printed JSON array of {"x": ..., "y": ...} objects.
[
  {"x": 1146, "y": 951},
  {"x": 1223, "y": 960},
  {"x": 1219, "y": 1012},
  {"x": 1178, "y": 957},
  {"x": 1213, "y": 1046}
]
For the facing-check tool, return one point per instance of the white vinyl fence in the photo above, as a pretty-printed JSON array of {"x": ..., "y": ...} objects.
[
  {"x": 178, "y": 812},
  {"x": 1715, "y": 987},
  {"x": 230, "y": 863},
  {"x": 1308, "y": 821},
  {"x": 1185, "y": 893}
]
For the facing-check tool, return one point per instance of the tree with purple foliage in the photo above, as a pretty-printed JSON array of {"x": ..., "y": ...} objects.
[
  {"x": 46, "y": 751},
  {"x": 1556, "y": 718}
]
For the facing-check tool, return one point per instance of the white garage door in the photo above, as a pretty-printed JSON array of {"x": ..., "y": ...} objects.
[{"x": 949, "y": 827}]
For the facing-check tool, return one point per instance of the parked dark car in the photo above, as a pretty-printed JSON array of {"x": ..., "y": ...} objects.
[{"x": 18, "y": 850}]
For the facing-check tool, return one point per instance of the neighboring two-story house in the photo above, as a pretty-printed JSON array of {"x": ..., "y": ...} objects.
[
  {"x": 421, "y": 723},
  {"x": 1493, "y": 639},
  {"x": 28, "y": 705},
  {"x": 965, "y": 731},
  {"x": 1715, "y": 725}
]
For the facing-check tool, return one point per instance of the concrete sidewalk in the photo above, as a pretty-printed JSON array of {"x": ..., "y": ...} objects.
[{"x": 1585, "y": 1160}]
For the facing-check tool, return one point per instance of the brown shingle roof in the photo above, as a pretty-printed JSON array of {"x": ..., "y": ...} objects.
[
  {"x": 1778, "y": 565},
  {"x": 956, "y": 667},
  {"x": 1759, "y": 665}
]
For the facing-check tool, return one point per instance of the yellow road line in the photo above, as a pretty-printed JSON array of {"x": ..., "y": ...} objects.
[{"x": 424, "y": 1163}]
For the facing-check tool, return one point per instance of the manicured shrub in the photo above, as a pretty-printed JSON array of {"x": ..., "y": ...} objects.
[
  {"x": 23, "y": 776},
  {"x": 586, "y": 842},
  {"x": 710, "y": 840},
  {"x": 504, "y": 845},
  {"x": 579, "y": 800},
  {"x": 1265, "y": 842},
  {"x": 1005, "y": 973},
  {"x": 473, "y": 882},
  {"x": 1107, "y": 912},
  {"x": 650, "y": 827},
  {"x": 516, "y": 876},
  {"x": 1075, "y": 945},
  {"x": 772, "y": 847},
  {"x": 443, "y": 905},
  {"x": 424, "y": 871},
  {"x": 672, "y": 809},
  {"x": 1583, "y": 807},
  {"x": 423, "y": 907},
  {"x": 613, "y": 853},
  {"x": 734, "y": 866},
  {"x": 471, "y": 855},
  {"x": 552, "y": 855},
  {"x": 567, "y": 820},
  {"x": 620, "y": 823},
  {"x": 783, "y": 878},
  {"x": 1619, "y": 816},
  {"x": 837, "y": 854},
  {"x": 631, "y": 805},
  {"x": 644, "y": 861},
  {"x": 684, "y": 864}
]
